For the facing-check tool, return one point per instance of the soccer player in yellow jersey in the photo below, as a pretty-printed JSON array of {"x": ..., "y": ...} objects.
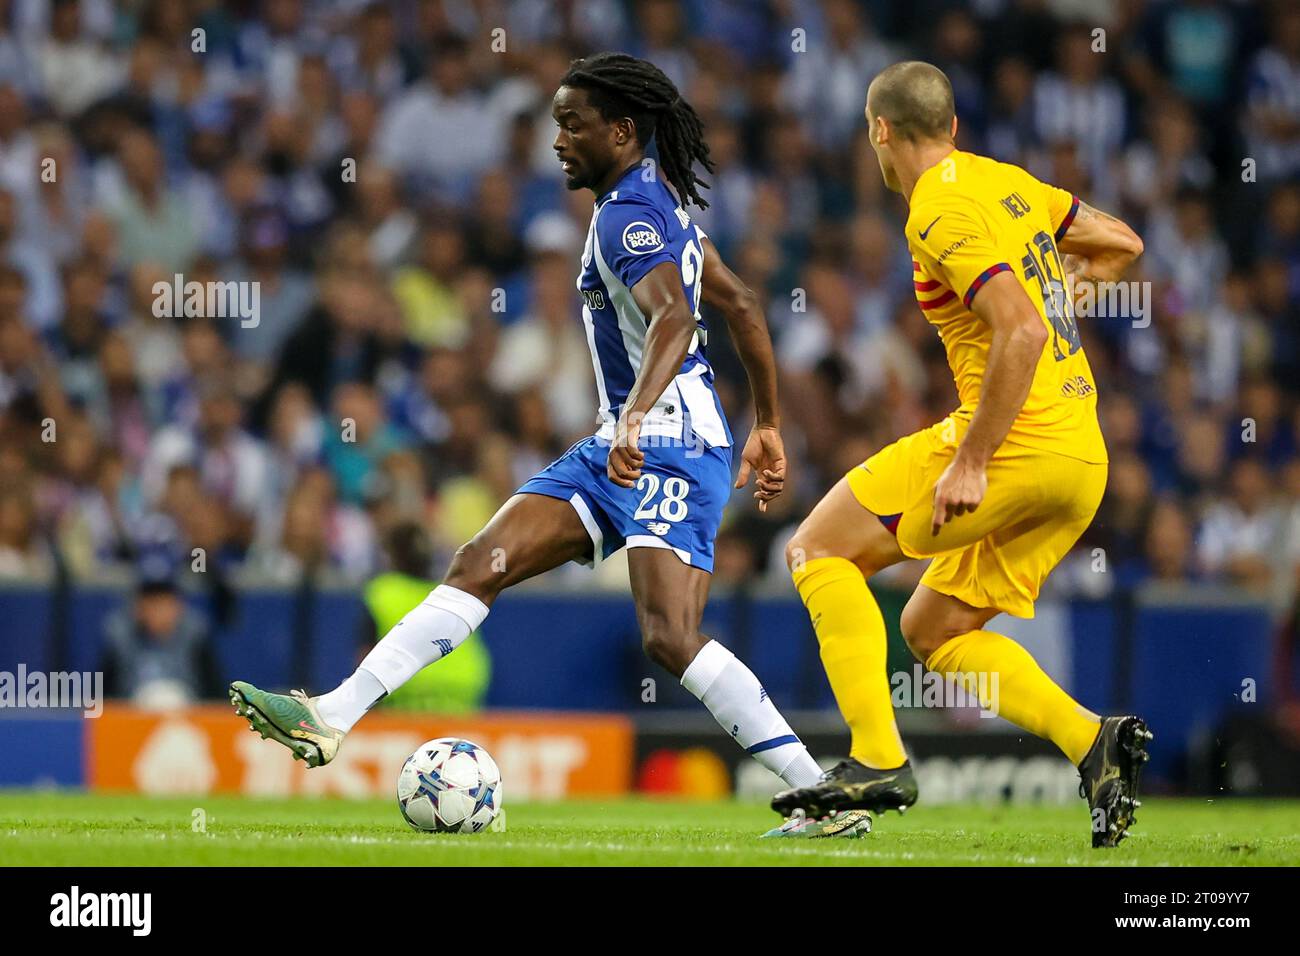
[{"x": 997, "y": 492}]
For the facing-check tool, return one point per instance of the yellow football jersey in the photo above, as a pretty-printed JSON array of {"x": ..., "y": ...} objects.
[{"x": 971, "y": 218}]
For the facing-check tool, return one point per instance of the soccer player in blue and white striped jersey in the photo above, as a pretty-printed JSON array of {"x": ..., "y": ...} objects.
[{"x": 655, "y": 476}]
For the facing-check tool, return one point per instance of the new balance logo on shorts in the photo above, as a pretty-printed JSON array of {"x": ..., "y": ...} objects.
[{"x": 660, "y": 528}]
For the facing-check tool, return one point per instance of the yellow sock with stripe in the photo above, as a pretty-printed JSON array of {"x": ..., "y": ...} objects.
[
  {"x": 1022, "y": 693},
  {"x": 851, "y": 633}
]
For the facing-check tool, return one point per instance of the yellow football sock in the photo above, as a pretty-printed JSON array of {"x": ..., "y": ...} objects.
[
  {"x": 851, "y": 632},
  {"x": 1022, "y": 692}
]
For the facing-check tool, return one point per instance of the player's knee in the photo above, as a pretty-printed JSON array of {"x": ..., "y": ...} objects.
[
  {"x": 793, "y": 553},
  {"x": 923, "y": 635},
  {"x": 803, "y": 547},
  {"x": 870, "y": 554},
  {"x": 472, "y": 570},
  {"x": 669, "y": 645}
]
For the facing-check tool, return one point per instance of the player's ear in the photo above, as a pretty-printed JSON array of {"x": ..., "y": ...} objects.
[
  {"x": 624, "y": 131},
  {"x": 954, "y": 127}
]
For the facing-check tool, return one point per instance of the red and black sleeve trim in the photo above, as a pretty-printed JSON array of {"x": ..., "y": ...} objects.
[
  {"x": 982, "y": 278},
  {"x": 1069, "y": 218}
]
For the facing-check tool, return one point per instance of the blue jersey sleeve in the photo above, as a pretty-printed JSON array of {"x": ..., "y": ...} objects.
[{"x": 633, "y": 239}]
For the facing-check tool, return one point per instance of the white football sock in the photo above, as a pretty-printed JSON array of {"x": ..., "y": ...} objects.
[
  {"x": 344, "y": 705},
  {"x": 740, "y": 704},
  {"x": 429, "y": 632}
]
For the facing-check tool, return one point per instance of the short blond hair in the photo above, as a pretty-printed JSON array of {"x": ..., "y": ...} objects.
[{"x": 916, "y": 98}]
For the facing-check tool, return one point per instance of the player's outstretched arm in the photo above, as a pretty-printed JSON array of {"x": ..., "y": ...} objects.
[
  {"x": 671, "y": 325},
  {"x": 1019, "y": 337},
  {"x": 739, "y": 305},
  {"x": 764, "y": 452},
  {"x": 1097, "y": 246}
]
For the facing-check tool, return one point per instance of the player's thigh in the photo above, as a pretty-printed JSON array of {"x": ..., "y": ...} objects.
[
  {"x": 529, "y": 534},
  {"x": 840, "y": 526},
  {"x": 860, "y": 519},
  {"x": 669, "y": 595},
  {"x": 931, "y": 618},
  {"x": 1005, "y": 570},
  {"x": 1025, "y": 487},
  {"x": 1014, "y": 493},
  {"x": 669, "y": 523}
]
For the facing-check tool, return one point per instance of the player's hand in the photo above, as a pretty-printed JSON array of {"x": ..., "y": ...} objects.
[
  {"x": 625, "y": 459},
  {"x": 959, "y": 490},
  {"x": 763, "y": 456}
]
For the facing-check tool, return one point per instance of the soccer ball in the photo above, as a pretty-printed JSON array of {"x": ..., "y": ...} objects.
[{"x": 450, "y": 786}]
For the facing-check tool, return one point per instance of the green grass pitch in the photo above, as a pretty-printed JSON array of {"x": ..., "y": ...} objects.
[{"x": 71, "y": 829}]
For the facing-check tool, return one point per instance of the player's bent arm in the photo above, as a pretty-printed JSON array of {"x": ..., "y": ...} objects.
[
  {"x": 1019, "y": 336},
  {"x": 671, "y": 325},
  {"x": 1104, "y": 246},
  {"x": 740, "y": 307}
]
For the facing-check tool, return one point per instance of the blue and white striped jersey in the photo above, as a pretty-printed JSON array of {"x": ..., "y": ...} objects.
[{"x": 635, "y": 227}]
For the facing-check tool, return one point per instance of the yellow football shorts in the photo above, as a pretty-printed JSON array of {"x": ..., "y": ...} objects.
[{"x": 1036, "y": 506}]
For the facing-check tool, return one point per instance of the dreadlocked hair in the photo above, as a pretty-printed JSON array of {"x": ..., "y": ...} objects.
[{"x": 620, "y": 85}]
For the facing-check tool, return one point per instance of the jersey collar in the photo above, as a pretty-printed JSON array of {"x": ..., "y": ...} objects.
[
  {"x": 621, "y": 180},
  {"x": 957, "y": 156}
]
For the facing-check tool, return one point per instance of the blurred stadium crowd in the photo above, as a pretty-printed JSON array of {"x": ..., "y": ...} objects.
[{"x": 431, "y": 303}]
